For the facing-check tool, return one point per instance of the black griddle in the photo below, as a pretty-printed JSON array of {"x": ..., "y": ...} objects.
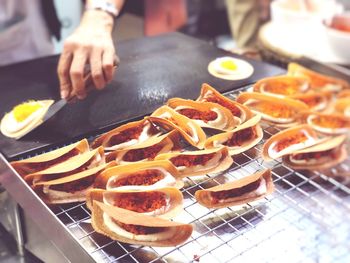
[{"x": 152, "y": 70}]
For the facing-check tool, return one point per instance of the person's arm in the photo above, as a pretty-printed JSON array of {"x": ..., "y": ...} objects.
[{"x": 91, "y": 43}]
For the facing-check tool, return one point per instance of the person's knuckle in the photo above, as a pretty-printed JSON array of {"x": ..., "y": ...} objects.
[{"x": 76, "y": 73}]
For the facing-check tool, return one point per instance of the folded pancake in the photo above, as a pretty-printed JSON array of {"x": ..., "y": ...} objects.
[
  {"x": 69, "y": 188},
  {"x": 282, "y": 86},
  {"x": 241, "y": 191},
  {"x": 317, "y": 80},
  {"x": 126, "y": 135},
  {"x": 24, "y": 118},
  {"x": 275, "y": 110},
  {"x": 206, "y": 114},
  {"x": 343, "y": 94},
  {"x": 169, "y": 119},
  {"x": 139, "y": 176},
  {"x": 148, "y": 150},
  {"x": 201, "y": 162},
  {"x": 163, "y": 202},
  {"x": 324, "y": 155},
  {"x": 315, "y": 100},
  {"x": 46, "y": 160},
  {"x": 342, "y": 106},
  {"x": 242, "y": 138},
  {"x": 289, "y": 141},
  {"x": 134, "y": 228},
  {"x": 331, "y": 124},
  {"x": 209, "y": 94},
  {"x": 76, "y": 164}
]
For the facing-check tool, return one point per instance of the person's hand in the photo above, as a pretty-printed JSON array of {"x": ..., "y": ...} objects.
[{"x": 91, "y": 44}]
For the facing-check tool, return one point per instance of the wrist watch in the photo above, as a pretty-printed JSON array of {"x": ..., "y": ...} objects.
[{"x": 103, "y": 5}]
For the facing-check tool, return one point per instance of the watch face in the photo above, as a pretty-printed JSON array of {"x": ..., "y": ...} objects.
[{"x": 103, "y": 5}]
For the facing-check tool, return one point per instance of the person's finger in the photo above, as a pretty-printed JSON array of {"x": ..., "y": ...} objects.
[
  {"x": 63, "y": 74},
  {"x": 96, "y": 69},
  {"x": 108, "y": 61},
  {"x": 77, "y": 74}
]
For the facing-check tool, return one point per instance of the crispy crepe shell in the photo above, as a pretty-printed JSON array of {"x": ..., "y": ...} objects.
[
  {"x": 221, "y": 138},
  {"x": 207, "y": 90},
  {"x": 23, "y": 167},
  {"x": 32, "y": 125},
  {"x": 204, "y": 197},
  {"x": 168, "y": 142},
  {"x": 324, "y": 145},
  {"x": 282, "y": 86},
  {"x": 342, "y": 106},
  {"x": 223, "y": 164},
  {"x": 78, "y": 196},
  {"x": 282, "y": 104},
  {"x": 105, "y": 138},
  {"x": 316, "y": 79},
  {"x": 315, "y": 100},
  {"x": 288, "y": 134},
  {"x": 227, "y": 122},
  {"x": 174, "y": 206},
  {"x": 122, "y": 171},
  {"x": 331, "y": 124},
  {"x": 189, "y": 129},
  {"x": 68, "y": 165},
  {"x": 181, "y": 234},
  {"x": 344, "y": 94}
]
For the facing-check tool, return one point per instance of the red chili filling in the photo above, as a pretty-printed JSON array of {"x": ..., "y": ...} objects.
[
  {"x": 236, "y": 192},
  {"x": 241, "y": 137},
  {"x": 44, "y": 165},
  {"x": 311, "y": 101},
  {"x": 331, "y": 122},
  {"x": 126, "y": 135},
  {"x": 74, "y": 186},
  {"x": 330, "y": 154},
  {"x": 199, "y": 115},
  {"x": 142, "y": 202},
  {"x": 290, "y": 140},
  {"x": 148, "y": 153},
  {"x": 234, "y": 109},
  {"x": 147, "y": 177},
  {"x": 191, "y": 160},
  {"x": 139, "y": 230}
]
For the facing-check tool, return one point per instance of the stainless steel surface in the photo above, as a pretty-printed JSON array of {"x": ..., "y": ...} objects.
[
  {"x": 54, "y": 230},
  {"x": 307, "y": 219}
]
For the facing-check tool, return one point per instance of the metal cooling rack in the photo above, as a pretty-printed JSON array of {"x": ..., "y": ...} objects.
[{"x": 306, "y": 219}]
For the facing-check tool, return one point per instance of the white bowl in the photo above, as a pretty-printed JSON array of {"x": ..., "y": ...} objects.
[{"x": 339, "y": 41}]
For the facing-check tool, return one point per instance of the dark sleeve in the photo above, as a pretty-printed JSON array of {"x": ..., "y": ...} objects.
[{"x": 51, "y": 18}]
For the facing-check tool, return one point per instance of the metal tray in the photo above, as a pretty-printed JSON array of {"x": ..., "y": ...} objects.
[{"x": 307, "y": 219}]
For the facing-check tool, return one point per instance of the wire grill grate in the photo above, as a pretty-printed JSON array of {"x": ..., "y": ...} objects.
[{"x": 305, "y": 220}]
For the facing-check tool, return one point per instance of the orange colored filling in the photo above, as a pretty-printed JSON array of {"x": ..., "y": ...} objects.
[
  {"x": 147, "y": 177},
  {"x": 331, "y": 122},
  {"x": 236, "y": 192},
  {"x": 233, "y": 108},
  {"x": 273, "y": 110},
  {"x": 191, "y": 160},
  {"x": 199, "y": 115},
  {"x": 241, "y": 137},
  {"x": 148, "y": 153},
  {"x": 284, "y": 87},
  {"x": 139, "y": 230},
  {"x": 142, "y": 202},
  {"x": 44, "y": 165},
  {"x": 290, "y": 140},
  {"x": 329, "y": 154}
]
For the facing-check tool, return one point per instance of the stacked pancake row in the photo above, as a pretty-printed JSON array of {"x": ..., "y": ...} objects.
[
  {"x": 313, "y": 107},
  {"x": 131, "y": 175}
]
